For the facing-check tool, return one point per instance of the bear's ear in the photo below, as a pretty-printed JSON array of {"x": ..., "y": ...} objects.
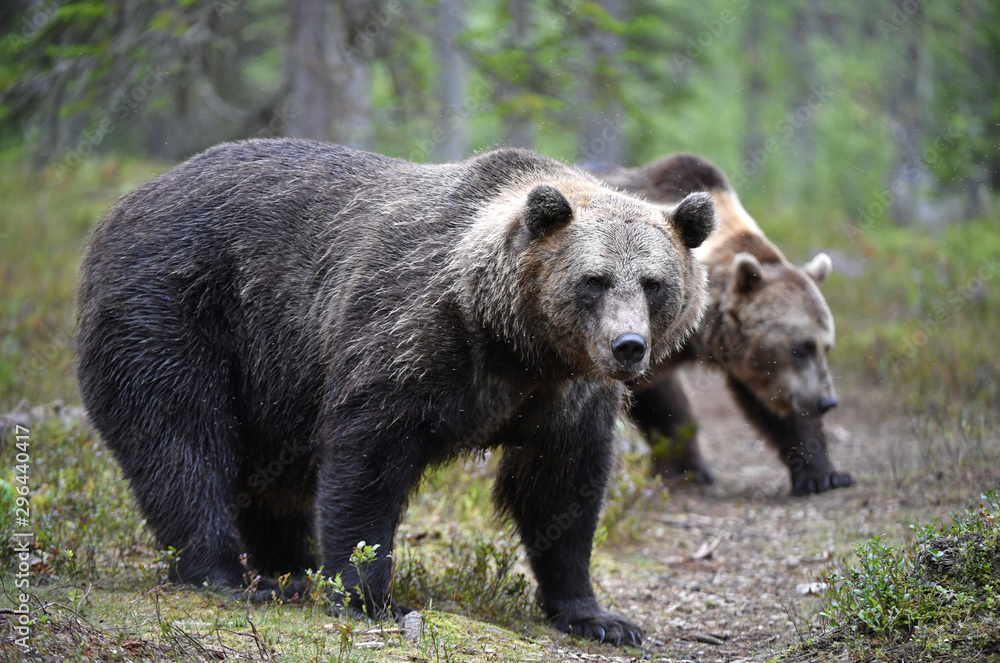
[
  {"x": 819, "y": 267},
  {"x": 694, "y": 218},
  {"x": 747, "y": 273},
  {"x": 546, "y": 210}
]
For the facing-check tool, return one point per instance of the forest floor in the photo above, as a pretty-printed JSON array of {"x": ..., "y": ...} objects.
[
  {"x": 758, "y": 594},
  {"x": 729, "y": 572}
]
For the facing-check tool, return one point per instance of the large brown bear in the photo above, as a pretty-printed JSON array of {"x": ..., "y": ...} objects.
[
  {"x": 276, "y": 338},
  {"x": 767, "y": 326}
]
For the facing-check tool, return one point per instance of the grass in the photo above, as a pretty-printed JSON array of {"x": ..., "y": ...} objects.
[
  {"x": 43, "y": 229},
  {"x": 935, "y": 598},
  {"x": 169, "y": 623}
]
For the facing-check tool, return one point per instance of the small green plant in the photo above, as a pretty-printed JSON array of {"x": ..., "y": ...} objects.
[
  {"x": 934, "y": 596},
  {"x": 8, "y": 497},
  {"x": 362, "y": 557},
  {"x": 325, "y": 594},
  {"x": 157, "y": 572},
  {"x": 345, "y": 639},
  {"x": 876, "y": 595},
  {"x": 632, "y": 493},
  {"x": 478, "y": 577}
]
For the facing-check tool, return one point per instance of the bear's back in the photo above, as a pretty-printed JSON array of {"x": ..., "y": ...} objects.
[{"x": 287, "y": 244}]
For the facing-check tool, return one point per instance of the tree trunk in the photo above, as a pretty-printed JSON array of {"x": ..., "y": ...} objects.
[
  {"x": 910, "y": 93},
  {"x": 350, "y": 66},
  {"x": 307, "y": 71},
  {"x": 602, "y": 138},
  {"x": 756, "y": 89},
  {"x": 807, "y": 24},
  {"x": 450, "y": 83},
  {"x": 518, "y": 128}
]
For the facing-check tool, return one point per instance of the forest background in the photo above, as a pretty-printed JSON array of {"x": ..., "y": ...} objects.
[{"x": 870, "y": 131}]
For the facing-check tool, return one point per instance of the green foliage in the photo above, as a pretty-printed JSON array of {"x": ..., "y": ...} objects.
[
  {"x": 813, "y": 107},
  {"x": 73, "y": 531},
  {"x": 362, "y": 556},
  {"x": 971, "y": 113},
  {"x": 935, "y": 597},
  {"x": 472, "y": 575}
]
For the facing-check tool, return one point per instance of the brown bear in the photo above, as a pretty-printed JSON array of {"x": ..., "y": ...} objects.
[
  {"x": 277, "y": 337},
  {"x": 767, "y": 326}
]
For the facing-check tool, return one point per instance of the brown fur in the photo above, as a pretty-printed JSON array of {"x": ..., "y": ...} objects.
[
  {"x": 764, "y": 315},
  {"x": 278, "y": 337}
]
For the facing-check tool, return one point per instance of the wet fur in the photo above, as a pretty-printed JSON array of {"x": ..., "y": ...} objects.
[{"x": 276, "y": 338}]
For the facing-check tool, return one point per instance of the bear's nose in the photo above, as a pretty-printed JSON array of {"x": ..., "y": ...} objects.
[
  {"x": 629, "y": 349},
  {"x": 826, "y": 404}
]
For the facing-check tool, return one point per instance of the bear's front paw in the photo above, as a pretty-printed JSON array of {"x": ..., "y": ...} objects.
[
  {"x": 358, "y": 610},
  {"x": 599, "y": 625},
  {"x": 265, "y": 590},
  {"x": 810, "y": 483}
]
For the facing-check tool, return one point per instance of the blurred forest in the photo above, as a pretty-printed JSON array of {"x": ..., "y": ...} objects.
[
  {"x": 870, "y": 131},
  {"x": 865, "y": 112}
]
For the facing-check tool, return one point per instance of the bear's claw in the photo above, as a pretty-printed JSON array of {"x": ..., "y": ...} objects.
[
  {"x": 811, "y": 484},
  {"x": 603, "y": 627}
]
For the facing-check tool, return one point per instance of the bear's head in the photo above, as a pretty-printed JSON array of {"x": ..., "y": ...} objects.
[
  {"x": 601, "y": 283},
  {"x": 774, "y": 331}
]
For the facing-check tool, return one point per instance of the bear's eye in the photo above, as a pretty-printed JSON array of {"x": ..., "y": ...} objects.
[
  {"x": 591, "y": 290},
  {"x": 804, "y": 350},
  {"x": 651, "y": 286}
]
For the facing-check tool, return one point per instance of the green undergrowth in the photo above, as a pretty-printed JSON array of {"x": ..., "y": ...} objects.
[
  {"x": 936, "y": 598},
  {"x": 99, "y": 586}
]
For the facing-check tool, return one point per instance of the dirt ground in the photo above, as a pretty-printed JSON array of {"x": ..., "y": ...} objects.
[{"x": 755, "y": 593}]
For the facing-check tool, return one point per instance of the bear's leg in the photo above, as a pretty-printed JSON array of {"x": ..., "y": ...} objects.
[
  {"x": 556, "y": 465},
  {"x": 364, "y": 483},
  {"x": 168, "y": 418},
  {"x": 800, "y": 441},
  {"x": 179, "y": 462},
  {"x": 663, "y": 413}
]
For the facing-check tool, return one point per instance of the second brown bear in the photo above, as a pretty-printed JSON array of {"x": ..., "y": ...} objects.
[{"x": 767, "y": 326}]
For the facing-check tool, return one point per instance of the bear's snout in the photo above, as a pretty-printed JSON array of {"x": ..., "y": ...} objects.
[
  {"x": 826, "y": 404},
  {"x": 629, "y": 349}
]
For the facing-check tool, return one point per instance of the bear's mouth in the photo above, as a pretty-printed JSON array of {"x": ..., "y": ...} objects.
[
  {"x": 626, "y": 373},
  {"x": 783, "y": 405}
]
